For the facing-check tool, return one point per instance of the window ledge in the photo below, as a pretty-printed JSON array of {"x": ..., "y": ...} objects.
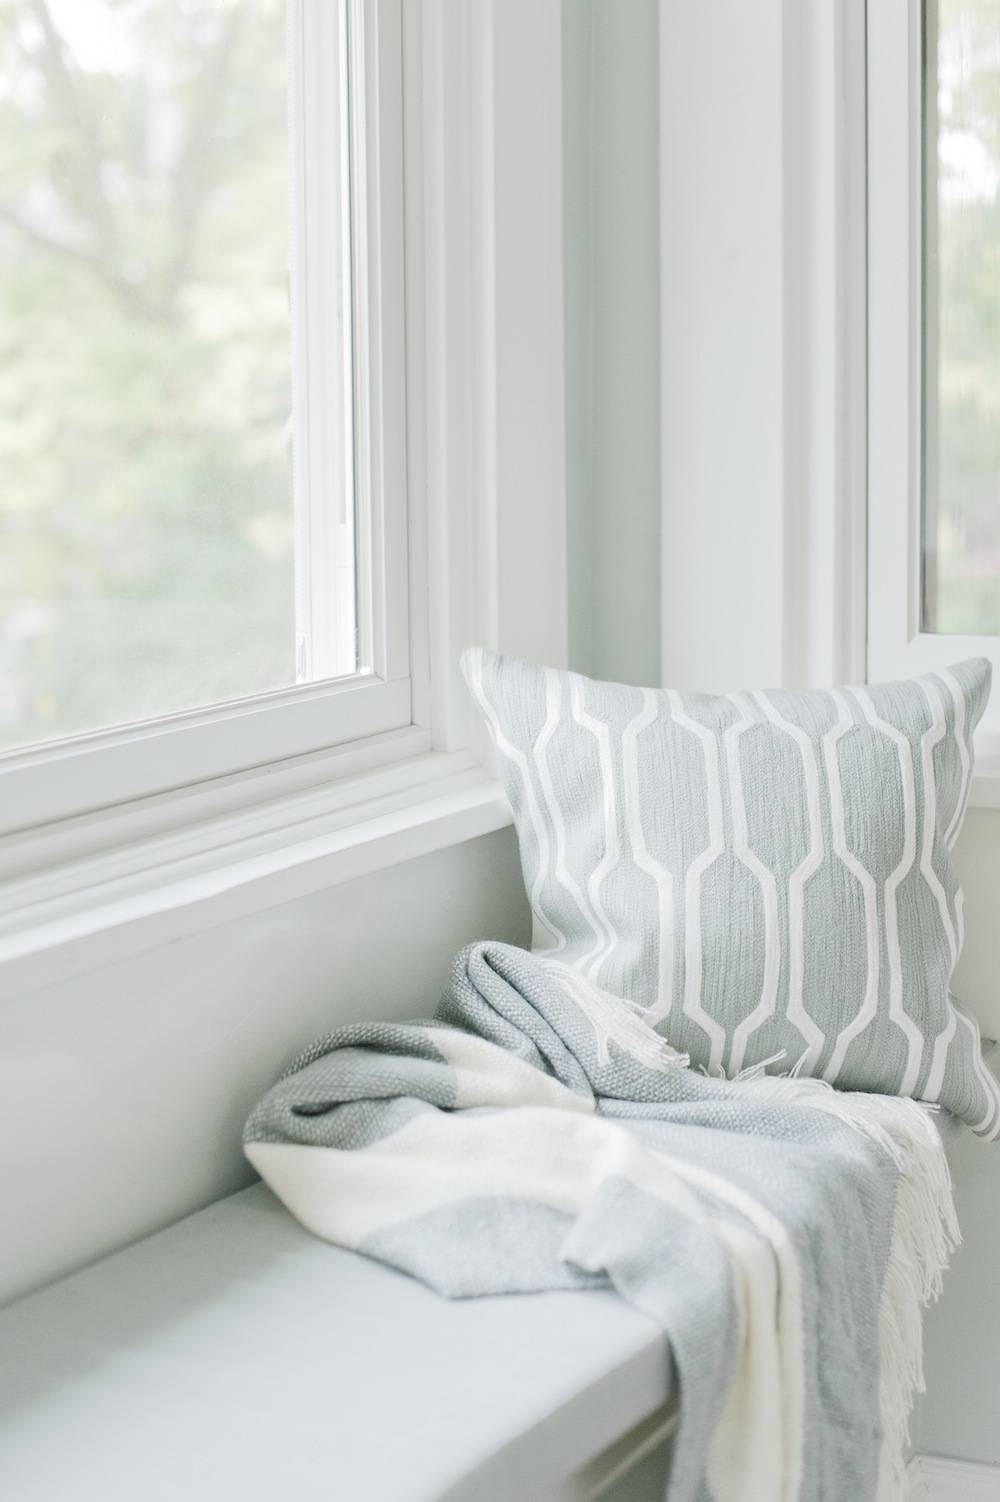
[{"x": 78, "y": 914}]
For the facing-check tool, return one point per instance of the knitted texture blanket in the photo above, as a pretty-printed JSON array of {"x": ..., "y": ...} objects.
[{"x": 536, "y": 1134}]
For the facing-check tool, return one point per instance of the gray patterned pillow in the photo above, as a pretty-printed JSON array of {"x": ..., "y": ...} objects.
[{"x": 767, "y": 875}]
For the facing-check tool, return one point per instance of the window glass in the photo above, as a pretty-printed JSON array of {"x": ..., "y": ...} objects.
[
  {"x": 961, "y": 428},
  {"x": 147, "y": 516}
]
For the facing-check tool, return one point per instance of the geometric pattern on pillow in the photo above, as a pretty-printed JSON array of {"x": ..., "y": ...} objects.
[{"x": 766, "y": 874}]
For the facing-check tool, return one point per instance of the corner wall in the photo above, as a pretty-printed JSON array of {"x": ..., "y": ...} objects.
[{"x": 611, "y": 252}]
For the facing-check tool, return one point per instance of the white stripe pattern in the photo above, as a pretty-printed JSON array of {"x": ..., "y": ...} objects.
[
  {"x": 692, "y": 886},
  {"x": 897, "y": 1011},
  {"x": 540, "y": 752},
  {"x": 931, "y": 738},
  {"x": 645, "y": 859},
  {"x": 651, "y": 821},
  {"x": 768, "y": 1003},
  {"x": 607, "y": 938},
  {"x": 868, "y": 1009},
  {"x": 965, "y": 756},
  {"x": 989, "y": 1125},
  {"x": 797, "y": 881},
  {"x": 939, "y": 1058}
]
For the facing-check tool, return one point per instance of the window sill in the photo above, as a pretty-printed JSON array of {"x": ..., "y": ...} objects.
[{"x": 70, "y": 913}]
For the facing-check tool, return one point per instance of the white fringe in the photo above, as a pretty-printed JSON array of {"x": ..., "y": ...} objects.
[
  {"x": 614, "y": 1020},
  {"x": 925, "y": 1232}
]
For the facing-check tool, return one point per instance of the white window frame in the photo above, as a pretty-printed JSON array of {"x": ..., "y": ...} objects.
[
  {"x": 78, "y": 774},
  {"x": 479, "y": 447},
  {"x": 897, "y": 646}
]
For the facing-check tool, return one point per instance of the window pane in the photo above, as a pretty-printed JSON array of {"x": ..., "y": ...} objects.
[
  {"x": 961, "y": 581},
  {"x": 147, "y": 520}
]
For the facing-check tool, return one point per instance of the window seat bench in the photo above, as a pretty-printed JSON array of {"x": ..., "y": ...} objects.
[{"x": 235, "y": 1356}]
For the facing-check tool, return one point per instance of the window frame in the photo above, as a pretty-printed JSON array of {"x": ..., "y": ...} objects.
[
  {"x": 484, "y": 424},
  {"x": 77, "y": 775},
  {"x": 897, "y": 365}
]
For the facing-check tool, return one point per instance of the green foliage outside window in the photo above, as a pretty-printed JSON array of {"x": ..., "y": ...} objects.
[{"x": 146, "y": 559}]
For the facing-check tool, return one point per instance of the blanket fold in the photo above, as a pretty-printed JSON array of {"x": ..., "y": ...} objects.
[{"x": 536, "y": 1134}]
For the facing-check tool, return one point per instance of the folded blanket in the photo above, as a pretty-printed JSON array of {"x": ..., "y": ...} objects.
[{"x": 537, "y": 1135}]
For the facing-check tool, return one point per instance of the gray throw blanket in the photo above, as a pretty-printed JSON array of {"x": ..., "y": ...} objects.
[{"x": 537, "y": 1135}]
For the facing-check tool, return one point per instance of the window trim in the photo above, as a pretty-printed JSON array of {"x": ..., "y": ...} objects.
[
  {"x": 897, "y": 646},
  {"x": 237, "y": 848},
  {"x": 78, "y": 774},
  {"x": 83, "y": 774}
]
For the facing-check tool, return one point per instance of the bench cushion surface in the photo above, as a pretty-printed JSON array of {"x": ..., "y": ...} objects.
[{"x": 234, "y": 1355}]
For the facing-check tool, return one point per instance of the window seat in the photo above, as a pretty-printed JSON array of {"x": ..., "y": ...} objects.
[{"x": 234, "y": 1355}]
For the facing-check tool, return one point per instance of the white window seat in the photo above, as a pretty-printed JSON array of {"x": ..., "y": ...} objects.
[{"x": 235, "y": 1356}]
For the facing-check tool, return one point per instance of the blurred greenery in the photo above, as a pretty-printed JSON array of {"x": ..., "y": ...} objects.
[
  {"x": 962, "y": 581},
  {"x": 146, "y": 549}
]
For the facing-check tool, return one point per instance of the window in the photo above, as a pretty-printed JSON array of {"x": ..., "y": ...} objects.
[
  {"x": 961, "y": 315},
  {"x": 203, "y": 563},
  {"x": 934, "y": 336}
]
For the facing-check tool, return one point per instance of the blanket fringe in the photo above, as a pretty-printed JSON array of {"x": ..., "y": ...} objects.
[
  {"x": 925, "y": 1232},
  {"x": 615, "y": 1020},
  {"x": 752, "y": 1072}
]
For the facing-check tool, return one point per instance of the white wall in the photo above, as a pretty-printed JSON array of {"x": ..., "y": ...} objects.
[
  {"x": 611, "y": 186},
  {"x": 123, "y": 1092},
  {"x": 722, "y": 264},
  {"x": 735, "y": 490},
  {"x": 762, "y": 316}
]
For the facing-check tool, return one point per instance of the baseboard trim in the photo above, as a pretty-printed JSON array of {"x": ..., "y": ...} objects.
[{"x": 935, "y": 1479}]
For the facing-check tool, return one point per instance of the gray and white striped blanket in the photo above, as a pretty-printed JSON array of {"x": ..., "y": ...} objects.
[{"x": 537, "y": 1135}]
